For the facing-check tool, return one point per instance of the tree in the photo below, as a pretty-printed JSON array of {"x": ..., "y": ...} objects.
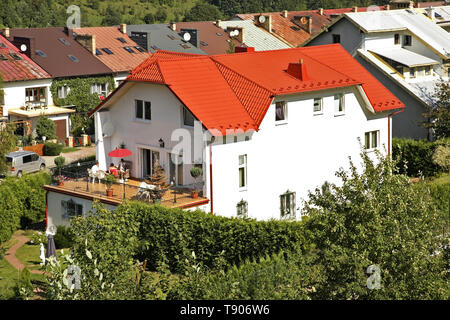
[
  {"x": 377, "y": 221},
  {"x": 112, "y": 17},
  {"x": 161, "y": 15},
  {"x": 159, "y": 180},
  {"x": 439, "y": 111},
  {"x": 149, "y": 18},
  {"x": 203, "y": 12},
  {"x": 46, "y": 128},
  {"x": 7, "y": 144}
]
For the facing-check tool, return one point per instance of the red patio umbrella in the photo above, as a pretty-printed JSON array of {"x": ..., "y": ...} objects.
[{"x": 120, "y": 153}]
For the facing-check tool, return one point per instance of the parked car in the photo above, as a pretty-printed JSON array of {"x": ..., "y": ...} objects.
[{"x": 21, "y": 162}]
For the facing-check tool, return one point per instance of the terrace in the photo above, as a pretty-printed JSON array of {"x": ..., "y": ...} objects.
[{"x": 81, "y": 186}]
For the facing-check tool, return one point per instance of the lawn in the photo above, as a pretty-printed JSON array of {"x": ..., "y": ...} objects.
[
  {"x": 443, "y": 179},
  {"x": 70, "y": 149}
]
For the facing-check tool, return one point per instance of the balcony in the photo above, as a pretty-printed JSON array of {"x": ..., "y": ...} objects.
[{"x": 81, "y": 186}]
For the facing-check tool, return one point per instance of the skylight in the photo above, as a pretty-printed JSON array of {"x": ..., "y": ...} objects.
[
  {"x": 122, "y": 40},
  {"x": 98, "y": 52},
  {"x": 140, "y": 49},
  {"x": 3, "y": 57},
  {"x": 129, "y": 49},
  {"x": 41, "y": 53},
  {"x": 154, "y": 47},
  {"x": 64, "y": 41},
  {"x": 107, "y": 50},
  {"x": 219, "y": 34},
  {"x": 171, "y": 37},
  {"x": 2, "y": 45},
  {"x": 203, "y": 43},
  {"x": 73, "y": 58},
  {"x": 15, "y": 56},
  {"x": 185, "y": 46}
]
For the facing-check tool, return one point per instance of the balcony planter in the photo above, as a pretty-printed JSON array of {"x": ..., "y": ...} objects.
[
  {"x": 109, "y": 192},
  {"x": 196, "y": 172},
  {"x": 194, "y": 194},
  {"x": 109, "y": 180},
  {"x": 61, "y": 184}
]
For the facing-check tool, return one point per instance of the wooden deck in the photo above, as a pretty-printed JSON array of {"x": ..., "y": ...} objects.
[{"x": 87, "y": 190}]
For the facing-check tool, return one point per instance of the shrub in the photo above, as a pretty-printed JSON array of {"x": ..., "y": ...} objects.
[
  {"x": 46, "y": 128},
  {"x": 63, "y": 238},
  {"x": 59, "y": 161},
  {"x": 441, "y": 157},
  {"x": 52, "y": 149},
  {"x": 416, "y": 157}
]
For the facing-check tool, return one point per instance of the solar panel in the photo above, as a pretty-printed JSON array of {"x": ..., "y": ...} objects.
[
  {"x": 73, "y": 58},
  {"x": 107, "y": 51},
  {"x": 41, "y": 53}
]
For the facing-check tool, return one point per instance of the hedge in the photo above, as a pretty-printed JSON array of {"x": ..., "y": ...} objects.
[
  {"x": 416, "y": 156},
  {"x": 52, "y": 149},
  {"x": 22, "y": 202},
  {"x": 170, "y": 235}
]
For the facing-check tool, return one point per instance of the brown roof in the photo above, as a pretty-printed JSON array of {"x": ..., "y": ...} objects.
[
  {"x": 107, "y": 37},
  {"x": 216, "y": 39},
  {"x": 57, "y": 59}
]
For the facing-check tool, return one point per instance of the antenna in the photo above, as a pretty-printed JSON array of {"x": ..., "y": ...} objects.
[{"x": 187, "y": 36}]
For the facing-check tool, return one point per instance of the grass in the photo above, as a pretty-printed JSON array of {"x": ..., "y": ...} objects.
[
  {"x": 70, "y": 149},
  {"x": 443, "y": 179}
]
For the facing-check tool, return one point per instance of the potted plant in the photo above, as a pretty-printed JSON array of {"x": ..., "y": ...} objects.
[
  {"x": 196, "y": 172},
  {"x": 60, "y": 180},
  {"x": 159, "y": 180},
  {"x": 109, "y": 180}
]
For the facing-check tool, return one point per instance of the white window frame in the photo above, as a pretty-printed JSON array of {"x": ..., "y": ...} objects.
[
  {"x": 69, "y": 213},
  {"x": 341, "y": 103},
  {"x": 243, "y": 166},
  {"x": 370, "y": 134},
  {"x": 98, "y": 89},
  {"x": 143, "y": 119},
  {"x": 284, "y": 104},
  {"x": 317, "y": 112},
  {"x": 63, "y": 91},
  {"x": 288, "y": 210},
  {"x": 242, "y": 209},
  {"x": 184, "y": 112}
]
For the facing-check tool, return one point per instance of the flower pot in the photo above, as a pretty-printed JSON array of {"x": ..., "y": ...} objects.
[
  {"x": 109, "y": 192},
  {"x": 60, "y": 183},
  {"x": 194, "y": 194}
]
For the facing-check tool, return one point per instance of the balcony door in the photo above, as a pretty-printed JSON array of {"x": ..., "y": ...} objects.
[
  {"x": 176, "y": 171},
  {"x": 149, "y": 160}
]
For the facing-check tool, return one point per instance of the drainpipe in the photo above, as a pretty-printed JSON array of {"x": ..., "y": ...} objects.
[
  {"x": 389, "y": 129},
  {"x": 210, "y": 177},
  {"x": 46, "y": 209}
]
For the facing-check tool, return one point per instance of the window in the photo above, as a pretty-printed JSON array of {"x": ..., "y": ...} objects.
[
  {"x": 336, "y": 38},
  {"x": 427, "y": 70},
  {"x": 3, "y": 57},
  {"x": 188, "y": 117},
  {"x": 27, "y": 159},
  {"x": 203, "y": 43},
  {"x": 64, "y": 41},
  {"x": 2, "y": 45},
  {"x": 412, "y": 72},
  {"x": 34, "y": 157},
  {"x": 122, "y": 40},
  {"x": 242, "y": 171},
  {"x": 73, "y": 58},
  {"x": 281, "y": 111},
  {"x": 287, "y": 205},
  {"x": 396, "y": 38},
  {"x": 143, "y": 110},
  {"x": 100, "y": 88},
  {"x": 41, "y": 53},
  {"x": 106, "y": 50},
  {"x": 242, "y": 209},
  {"x": 98, "y": 52},
  {"x": 35, "y": 94},
  {"x": 371, "y": 140},
  {"x": 339, "y": 104},
  {"x": 63, "y": 92},
  {"x": 407, "y": 40},
  {"x": 129, "y": 49},
  {"x": 140, "y": 49},
  {"x": 71, "y": 209},
  {"x": 318, "y": 105},
  {"x": 15, "y": 56}
]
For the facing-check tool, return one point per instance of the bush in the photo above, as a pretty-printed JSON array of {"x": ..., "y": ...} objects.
[
  {"x": 441, "y": 157},
  {"x": 46, "y": 128},
  {"x": 63, "y": 238},
  {"x": 52, "y": 149},
  {"x": 59, "y": 161},
  {"x": 416, "y": 157}
]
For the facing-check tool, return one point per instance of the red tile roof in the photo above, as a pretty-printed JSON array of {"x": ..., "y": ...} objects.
[
  {"x": 107, "y": 37},
  {"x": 286, "y": 29},
  {"x": 18, "y": 70},
  {"x": 234, "y": 91}
]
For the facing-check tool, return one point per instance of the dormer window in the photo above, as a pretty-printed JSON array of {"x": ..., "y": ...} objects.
[
  {"x": 281, "y": 112},
  {"x": 407, "y": 40}
]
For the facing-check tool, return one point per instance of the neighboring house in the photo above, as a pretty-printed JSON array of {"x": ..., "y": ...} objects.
[
  {"x": 274, "y": 124},
  {"x": 27, "y": 91},
  {"x": 113, "y": 47},
  {"x": 405, "y": 50},
  {"x": 439, "y": 15},
  {"x": 153, "y": 37},
  {"x": 57, "y": 52}
]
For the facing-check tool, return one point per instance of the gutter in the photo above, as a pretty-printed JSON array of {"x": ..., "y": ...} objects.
[{"x": 389, "y": 129}]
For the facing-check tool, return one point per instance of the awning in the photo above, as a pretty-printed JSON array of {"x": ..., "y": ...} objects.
[{"x": 405, "y": 57}]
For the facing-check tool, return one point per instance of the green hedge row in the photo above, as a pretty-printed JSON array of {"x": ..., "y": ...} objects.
[
  {"x": 22, "y": 202},
  {"x": 416, "y": 156},
  {"x": 52, "y": 149},
  {"x": 170, "y": 235}
]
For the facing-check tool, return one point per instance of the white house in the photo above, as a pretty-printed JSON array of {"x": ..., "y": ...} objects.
[
  {"x": 405, "y": 50},
  {"x": 274, "y": 124}
]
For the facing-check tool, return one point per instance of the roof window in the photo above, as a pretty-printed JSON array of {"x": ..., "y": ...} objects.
[
  {"x": 64, "y": 41},
  {"x": 140, "y": 49},
  {"x": 122, "y": 40},
  {"x": 41, "y": 53},
  {"x": 129, "y": 49},
  {"x": 106, "y": 50},
  {"x": 73, "y": 58},
  {"x": 203, "y": 43},
  {"x": 15, "y": 56}
]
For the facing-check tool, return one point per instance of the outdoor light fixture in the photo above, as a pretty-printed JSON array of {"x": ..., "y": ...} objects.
[{"x": 161, "y": 143}]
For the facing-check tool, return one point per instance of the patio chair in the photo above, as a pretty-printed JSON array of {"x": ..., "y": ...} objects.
[{"x": 143, "y": 192}]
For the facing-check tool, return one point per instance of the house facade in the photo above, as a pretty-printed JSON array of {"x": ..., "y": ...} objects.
[{"x": 405, "y": 50}]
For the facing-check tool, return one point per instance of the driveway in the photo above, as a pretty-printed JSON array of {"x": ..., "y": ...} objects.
[{"x": 71, "y": 156}]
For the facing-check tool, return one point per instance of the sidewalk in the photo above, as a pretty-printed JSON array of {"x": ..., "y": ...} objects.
[{"x": 71, "y": 156}]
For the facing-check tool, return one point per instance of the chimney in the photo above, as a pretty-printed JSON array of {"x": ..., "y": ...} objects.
[
  {"x": 218, "y": 23},
  {"x": 6, "y": 32},
  {"x": 173, "y": 26},
  {"x": 355, "y": 9},
  {"x": 411, "y": 5},
  {"x": 123, "y": 28},
  {"x": 88, "y": 42},
  {"x": 68, "y": 32},
  {"x": 321, "y": 11},
  {"x": 244, "y": 49},
  {"x": 285, "y": 13},
  {"x": 298, "y": 70}
]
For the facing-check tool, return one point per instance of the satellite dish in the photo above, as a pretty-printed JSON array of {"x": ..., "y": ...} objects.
[
  {"x": 23, "y": 47},
  {"x": 231, "y": 33},
  {"x": 108, "y": 129},
  {"x": 262, "y": 19},
  {"x": 187, "y": 36},
  {"x": 303, "y": 20},
  {"x": 236, "y": 32}
]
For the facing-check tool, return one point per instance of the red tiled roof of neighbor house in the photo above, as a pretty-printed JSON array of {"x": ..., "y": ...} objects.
[
  {"x": 61, "y": 56},
  {"x": 15, "y": 66},
  {"x": 120, "y": 60},
  {"x": 234, "y": 91},
  {"x": 216, "y": 40},
  {"x": 291, "y": 31}
]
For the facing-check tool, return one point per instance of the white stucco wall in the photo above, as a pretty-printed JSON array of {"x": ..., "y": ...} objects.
[{"x": 55, "y": 209}]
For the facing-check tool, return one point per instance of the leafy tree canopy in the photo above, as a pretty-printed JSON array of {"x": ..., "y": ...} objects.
[{"x": 203, "y": 12}]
